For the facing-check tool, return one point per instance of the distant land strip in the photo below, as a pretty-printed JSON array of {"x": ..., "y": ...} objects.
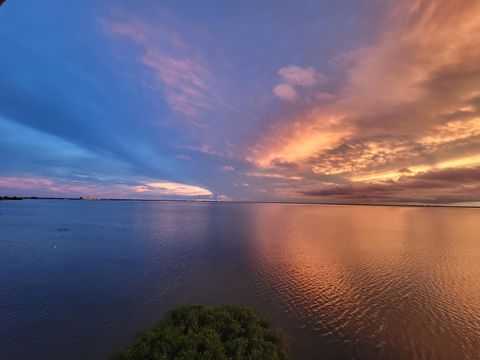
[{"x": 242, "y": 202}]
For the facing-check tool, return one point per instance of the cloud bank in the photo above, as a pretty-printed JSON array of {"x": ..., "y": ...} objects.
[{"x": 410, "y": 101}]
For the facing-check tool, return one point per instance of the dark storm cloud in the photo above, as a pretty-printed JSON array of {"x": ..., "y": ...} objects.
[{"x": 447, "y": 185}]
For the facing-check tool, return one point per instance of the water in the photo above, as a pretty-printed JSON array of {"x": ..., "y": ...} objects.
[{"x": 79, "y": 278}]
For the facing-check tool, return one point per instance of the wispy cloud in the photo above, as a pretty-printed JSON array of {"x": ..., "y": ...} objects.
[
  {"x": 227, "y": 168},
  {"x": 273, "y": 175},
  {"x": 181, "y": 73},
  {"x": 171, "y": 188},
  {"x": 25, "y": 182},
  {"x": 32, "y": 185}
]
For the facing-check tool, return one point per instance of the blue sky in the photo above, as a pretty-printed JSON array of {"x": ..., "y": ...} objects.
[{"x": 251, "y": 100}]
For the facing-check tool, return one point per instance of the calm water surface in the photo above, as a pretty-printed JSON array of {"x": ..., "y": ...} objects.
[{"x": 78, "y": 279}]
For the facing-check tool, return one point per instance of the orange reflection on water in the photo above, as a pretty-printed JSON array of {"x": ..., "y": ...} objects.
[{"x": 385, "y": 280}]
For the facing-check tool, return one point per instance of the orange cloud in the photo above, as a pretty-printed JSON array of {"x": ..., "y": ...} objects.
[
  {"x": 301, "y": 141},
  {"x": 273, "y": 175},
  {"x": 410, "y": 101},
  {"x": 450, "y": 185},
  {"x": 452, "y": 131}
]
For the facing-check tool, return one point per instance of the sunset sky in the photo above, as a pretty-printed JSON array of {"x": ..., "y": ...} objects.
[{"x": 365, "y": 101}]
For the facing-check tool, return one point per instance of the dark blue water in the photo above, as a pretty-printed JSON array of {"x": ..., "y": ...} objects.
[{"x": 79, "y": 278}]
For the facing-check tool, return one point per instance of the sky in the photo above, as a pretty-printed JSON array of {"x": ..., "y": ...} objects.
[{"x": 364, "y": 101}]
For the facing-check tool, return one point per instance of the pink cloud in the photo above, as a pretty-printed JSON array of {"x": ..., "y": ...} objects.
[
  {"x": 301, "y": 76},
  {"x": 28, "y": 186},
  {"x": 285, "y": 92},
  {"x": 295, "y": 77},
  {"x": 165, "y": 188},
  {"x": 178, "y": 70},
  {"x": 25, "y": 183}
]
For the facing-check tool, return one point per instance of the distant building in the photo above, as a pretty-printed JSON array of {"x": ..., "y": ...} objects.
[{"x": 88, "y": 198}]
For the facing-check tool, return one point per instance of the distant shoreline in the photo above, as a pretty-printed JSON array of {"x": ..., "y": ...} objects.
[
  {"x": 11, "y": 198},
  {"x": 16, "y": 198}
]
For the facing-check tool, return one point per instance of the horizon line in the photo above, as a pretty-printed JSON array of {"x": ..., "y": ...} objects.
[{"x": 8, "y": 197}]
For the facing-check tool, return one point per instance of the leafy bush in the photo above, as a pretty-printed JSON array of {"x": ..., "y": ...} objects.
[{"x": 200, "y": 332}]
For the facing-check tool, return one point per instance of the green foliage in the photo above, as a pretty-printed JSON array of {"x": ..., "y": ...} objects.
[{"x": 213, "y": 333}]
